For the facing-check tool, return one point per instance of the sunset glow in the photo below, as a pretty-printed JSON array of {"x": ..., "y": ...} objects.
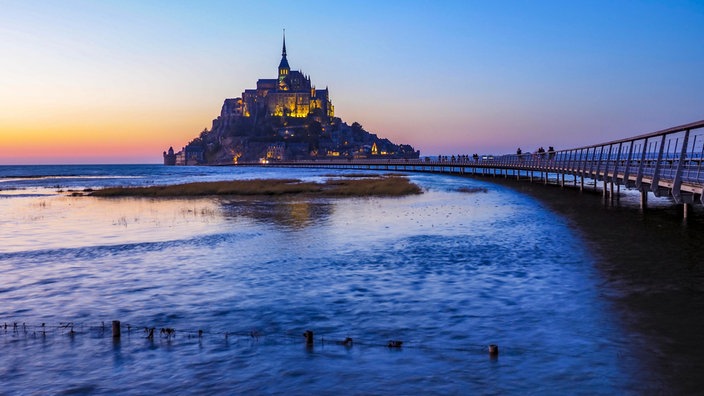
[{"x": 120, "y": 82}]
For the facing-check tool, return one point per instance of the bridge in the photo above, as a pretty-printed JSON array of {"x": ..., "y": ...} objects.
[{"x": 663, "y": 163}]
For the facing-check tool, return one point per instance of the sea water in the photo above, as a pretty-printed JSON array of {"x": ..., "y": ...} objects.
[{"x": 240, "y": 280}]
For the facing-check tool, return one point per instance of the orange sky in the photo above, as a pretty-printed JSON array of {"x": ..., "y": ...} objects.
[
  {"x": 121, "y": 81},
  {"x": 107, "y": 137}
]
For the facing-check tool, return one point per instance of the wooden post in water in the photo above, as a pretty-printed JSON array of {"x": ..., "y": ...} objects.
[
  {"x": 493, "y": 350},
  {"x": 643, "y": 198},
  {"x": 115, "y": 329},
  {"x": 684, "y": 211},
  {"x": 309, "y": 338}
]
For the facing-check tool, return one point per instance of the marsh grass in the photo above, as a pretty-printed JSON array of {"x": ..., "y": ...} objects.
[
  {"x": 391, "y": 186},
  {"x": 379, "y": 186}
]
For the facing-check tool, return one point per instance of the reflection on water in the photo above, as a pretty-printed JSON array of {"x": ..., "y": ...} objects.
[
  {"x": 651, "y": 268},
  {"x": 446, "y": 272},
  {"x": 293, "y": 213}
]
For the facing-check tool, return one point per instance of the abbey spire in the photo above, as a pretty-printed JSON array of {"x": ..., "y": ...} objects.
[
  {"x": 284, "y": 68},
  {"x": 283, "y": 52}
]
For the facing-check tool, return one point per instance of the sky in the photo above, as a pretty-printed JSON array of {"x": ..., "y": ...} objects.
[{"x": 84, "y": 81}]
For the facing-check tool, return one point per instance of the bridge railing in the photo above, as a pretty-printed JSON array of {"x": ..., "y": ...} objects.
[
  {"x": 674, "y": 155},
  {"x": 671, "y": 159}
]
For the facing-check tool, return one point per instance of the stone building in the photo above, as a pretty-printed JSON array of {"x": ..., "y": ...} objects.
[
  {"x": 170, "y": 157},
  {"x": 291, "y": 94},
  {"x": 283, "y": 118}
]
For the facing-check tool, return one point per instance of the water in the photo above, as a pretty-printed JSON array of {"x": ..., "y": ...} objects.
[{"x": 446, "y": 272}]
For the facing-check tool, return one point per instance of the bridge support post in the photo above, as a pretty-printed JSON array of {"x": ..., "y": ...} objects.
[
  {"x": 581, "y": 183},
  {"x": 643, "y": 198},
  {"x": 604, "y": 189},
  {"x": 684, "y": 211}
]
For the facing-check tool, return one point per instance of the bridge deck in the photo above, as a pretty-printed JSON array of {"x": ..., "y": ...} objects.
[{"x": 666, "y": 163}]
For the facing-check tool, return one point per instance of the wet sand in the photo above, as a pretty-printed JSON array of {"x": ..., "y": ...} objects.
[{"x": 651, "y": 263}]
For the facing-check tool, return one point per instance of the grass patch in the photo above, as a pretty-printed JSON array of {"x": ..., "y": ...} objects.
[
  {"x": 380, "y": 186},
  {"x": 390, "y": 186}
]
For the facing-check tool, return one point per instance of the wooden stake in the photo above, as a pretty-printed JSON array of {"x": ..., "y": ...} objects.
[{"x": 115, "y": 329}]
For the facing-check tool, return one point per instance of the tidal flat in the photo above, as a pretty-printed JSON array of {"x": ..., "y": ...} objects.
[{"x": 466, "y": 264}]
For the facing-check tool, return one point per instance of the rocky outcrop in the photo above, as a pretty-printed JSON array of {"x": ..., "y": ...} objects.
[{"x": 235, "y": 138}]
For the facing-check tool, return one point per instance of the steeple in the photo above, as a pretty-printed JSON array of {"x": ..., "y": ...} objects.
[
  {"x": 283, "y": 52},
  {"x": 284, "y": 68}
]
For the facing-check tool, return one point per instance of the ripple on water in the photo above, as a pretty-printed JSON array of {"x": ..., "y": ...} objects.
[{"x": 446, "y": 272}]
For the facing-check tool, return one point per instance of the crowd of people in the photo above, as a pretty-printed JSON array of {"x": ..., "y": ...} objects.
[
  {"x": 540, "y": 151},
  {"x": 465, "y": 158},
  {"x": 459, "y": 158}
]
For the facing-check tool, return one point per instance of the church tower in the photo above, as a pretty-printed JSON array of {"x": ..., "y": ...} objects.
[{"x": 284, "y": 68}]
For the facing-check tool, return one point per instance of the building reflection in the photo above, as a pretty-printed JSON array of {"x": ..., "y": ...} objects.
[{"x": 290, "y": 214}]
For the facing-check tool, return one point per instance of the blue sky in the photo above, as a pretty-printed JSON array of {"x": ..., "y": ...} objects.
[{"x": 120, "y": 81}]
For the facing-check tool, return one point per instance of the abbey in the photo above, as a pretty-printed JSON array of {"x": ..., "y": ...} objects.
[
  {"x": 284, "y": 118},
  {"x": 289, "y": 95}
]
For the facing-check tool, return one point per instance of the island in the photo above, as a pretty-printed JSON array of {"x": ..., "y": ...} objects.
[{"x": 285, "y": 118}]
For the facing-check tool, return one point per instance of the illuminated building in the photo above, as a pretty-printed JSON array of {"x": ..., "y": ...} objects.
[
  {"x": 283, "y": 118},
  {"x": 291, "y": 94}
]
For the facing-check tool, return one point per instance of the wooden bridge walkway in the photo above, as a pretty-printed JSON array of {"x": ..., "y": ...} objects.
[{"x": 664, "y": 163}]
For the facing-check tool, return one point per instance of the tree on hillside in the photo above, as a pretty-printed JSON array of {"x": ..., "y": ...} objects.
[{"x": 356, "y": 127}]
